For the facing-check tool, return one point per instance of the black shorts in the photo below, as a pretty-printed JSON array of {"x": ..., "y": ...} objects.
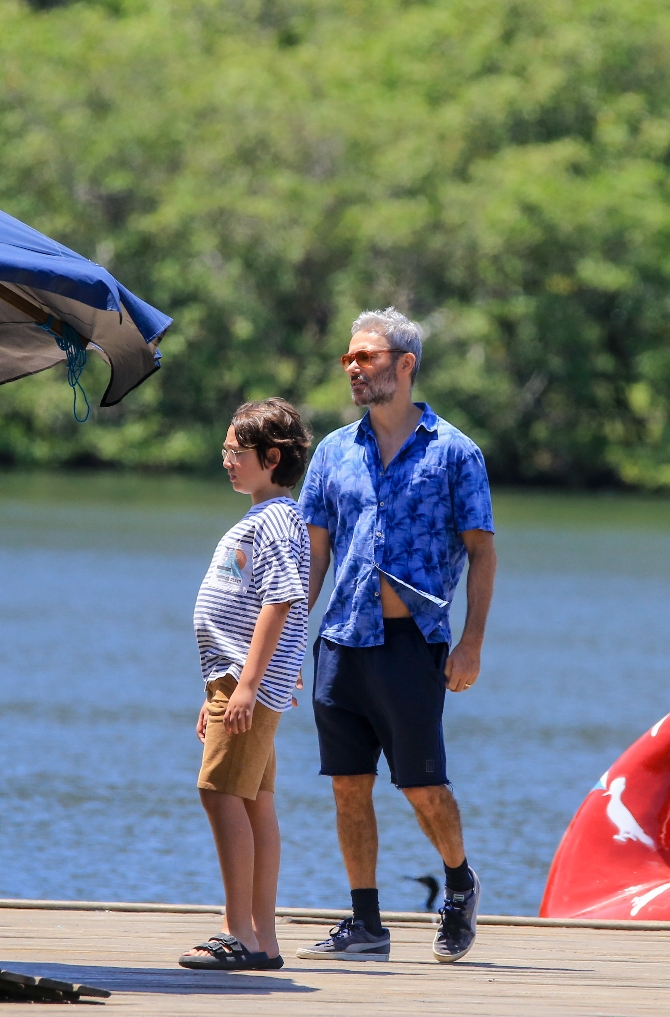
[{"x": 389, "y": 699}]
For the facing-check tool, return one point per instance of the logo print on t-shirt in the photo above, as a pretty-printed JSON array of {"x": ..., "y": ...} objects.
[{"x": 230, "y": 569}]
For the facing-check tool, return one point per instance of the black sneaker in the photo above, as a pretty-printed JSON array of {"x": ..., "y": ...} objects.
[
  {"x": 458, "y": 923},
  {"x": 350, "y": 940}
]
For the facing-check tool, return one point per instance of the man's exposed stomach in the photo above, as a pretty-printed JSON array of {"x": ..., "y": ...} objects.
[{"x": 392, "y": 605}]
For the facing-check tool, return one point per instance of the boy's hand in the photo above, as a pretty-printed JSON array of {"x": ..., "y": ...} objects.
[
  {"x": 237, "y": 718},
  {"x": 299, "y": 684},
  {"x": 201, "y": 726}
]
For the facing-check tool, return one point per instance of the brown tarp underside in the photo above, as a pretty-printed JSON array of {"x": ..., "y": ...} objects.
[{"x": 26, "y": 349}]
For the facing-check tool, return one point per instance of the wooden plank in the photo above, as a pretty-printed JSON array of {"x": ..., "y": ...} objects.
[
  {"x": 15, "y": 987},
  {"x": 511, "y": 972}
]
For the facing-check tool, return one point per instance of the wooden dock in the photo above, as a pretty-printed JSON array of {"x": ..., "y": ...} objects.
[{"x": 512, "y": 971}]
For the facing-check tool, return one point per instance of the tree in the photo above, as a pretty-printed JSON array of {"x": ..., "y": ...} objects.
[{"x": 264, "y": 170}]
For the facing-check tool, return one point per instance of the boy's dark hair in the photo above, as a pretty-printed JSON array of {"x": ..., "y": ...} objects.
[{"x": 274, "y": 423}]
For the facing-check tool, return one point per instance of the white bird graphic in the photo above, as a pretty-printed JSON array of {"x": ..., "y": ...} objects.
[
  {"x": 657, "y": 726},
  {"x": 638, "y": 903},
  {"x": 623, "y": 819}
]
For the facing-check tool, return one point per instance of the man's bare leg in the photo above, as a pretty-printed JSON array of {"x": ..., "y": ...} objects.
[
  {"x": 234, "y": 839},
  {"x": 357, "y": 828},
  {"x": 267, "y": 850},
  {"x": 357, "y": 831},
  {"x": 439, "y": 818}
]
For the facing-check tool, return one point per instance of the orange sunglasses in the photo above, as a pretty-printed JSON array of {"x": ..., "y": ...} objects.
[{"x": 363, "y": 357}]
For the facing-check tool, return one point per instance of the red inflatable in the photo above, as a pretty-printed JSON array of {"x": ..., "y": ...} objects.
[{"x": 614, "y": 858}]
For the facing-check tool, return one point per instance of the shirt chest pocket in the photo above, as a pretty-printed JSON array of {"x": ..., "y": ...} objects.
[
  {"x": 429, "y": 479},
  {"x": 425, "y": 502}
]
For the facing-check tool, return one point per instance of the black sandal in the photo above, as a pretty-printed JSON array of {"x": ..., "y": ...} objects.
[
  {"x": 274, "y": 964},
  {"x": 225, "y": 953}
]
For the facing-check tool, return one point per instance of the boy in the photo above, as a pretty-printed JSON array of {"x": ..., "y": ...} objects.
[{"x": 251, "y": 626}]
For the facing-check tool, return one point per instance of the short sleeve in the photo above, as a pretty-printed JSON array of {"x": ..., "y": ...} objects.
[
  {"x": 312, "y": 502},
  {"x": 471, "y": 494},
  {"x": 275, "y": 565}
]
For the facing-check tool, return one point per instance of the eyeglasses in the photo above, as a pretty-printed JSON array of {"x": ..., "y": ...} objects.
[
  {"x": 233, "y": 454},
  {"x": 363, "y": 357}
]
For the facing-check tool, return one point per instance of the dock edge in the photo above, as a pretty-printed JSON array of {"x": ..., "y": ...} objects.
[{"x": 319, "y": 915}]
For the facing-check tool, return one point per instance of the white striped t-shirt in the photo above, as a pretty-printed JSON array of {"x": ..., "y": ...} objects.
[{"x": 263, "y": 559}]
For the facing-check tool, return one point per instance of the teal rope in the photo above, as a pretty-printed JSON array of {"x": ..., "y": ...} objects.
[{"x": 71, "y": 345}]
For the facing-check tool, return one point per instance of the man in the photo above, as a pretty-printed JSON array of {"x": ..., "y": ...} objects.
[{"x": 401, "y": 497}]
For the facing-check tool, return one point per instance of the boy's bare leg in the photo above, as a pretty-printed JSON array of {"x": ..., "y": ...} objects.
[
  {"x": 267, "y": 850},
  {"x": 234, "y": 841},
  {"x": 357, "y": 828}
]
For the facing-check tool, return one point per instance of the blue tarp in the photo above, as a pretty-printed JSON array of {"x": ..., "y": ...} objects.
[
  {"x": 41, "y": 281},
  {"x": 28, "y": 258}
]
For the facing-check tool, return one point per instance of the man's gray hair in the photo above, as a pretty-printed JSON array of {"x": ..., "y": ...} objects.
[{"x": 399, "y": 331}]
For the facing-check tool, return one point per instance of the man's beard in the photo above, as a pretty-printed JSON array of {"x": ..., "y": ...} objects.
[{"x": 378, "y": 391}]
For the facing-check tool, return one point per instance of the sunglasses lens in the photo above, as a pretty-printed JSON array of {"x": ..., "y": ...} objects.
[{"x": 362, "y": 358}]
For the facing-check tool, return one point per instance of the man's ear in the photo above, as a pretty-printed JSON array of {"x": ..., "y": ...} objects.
[{"x": 411, "y": 362}]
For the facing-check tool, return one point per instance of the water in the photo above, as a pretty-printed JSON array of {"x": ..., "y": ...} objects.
[{"x": 100, "y": 688}]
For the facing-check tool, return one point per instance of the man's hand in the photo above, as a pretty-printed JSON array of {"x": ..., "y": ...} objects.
[
  {"x": 299, "y": 684},
  {"x": 240, "y": 709},
  {"x": 319, "y": 542},
  {"x": 464, "y": 662},
  {"x": 201, "y": 726},
  {"x": 463, "y": 666}
]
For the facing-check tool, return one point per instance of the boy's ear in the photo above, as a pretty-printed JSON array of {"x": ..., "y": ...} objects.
[{"x": 272, "y": 457}]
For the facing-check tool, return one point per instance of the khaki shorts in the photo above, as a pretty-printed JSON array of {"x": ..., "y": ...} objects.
[{"x": 237, "y": 764}]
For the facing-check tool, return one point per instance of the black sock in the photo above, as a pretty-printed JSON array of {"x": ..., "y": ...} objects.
[
  {"x": 459, "y": 879},
  {"x": 366, "y": 909}
]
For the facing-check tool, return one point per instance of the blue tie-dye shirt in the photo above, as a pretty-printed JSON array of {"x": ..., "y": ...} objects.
[{"x": 404, "y": 522}]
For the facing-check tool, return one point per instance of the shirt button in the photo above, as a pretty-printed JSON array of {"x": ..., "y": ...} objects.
[
  {"x": 376, "y": 593},
  {"x": 381, "y": 502}
]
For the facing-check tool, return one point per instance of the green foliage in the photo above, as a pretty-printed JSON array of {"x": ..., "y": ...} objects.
[{"x": 264, "y": 169}]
